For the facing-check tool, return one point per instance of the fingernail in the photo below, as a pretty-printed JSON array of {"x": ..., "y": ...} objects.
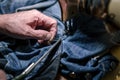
[{"x": 48, "y": 36}]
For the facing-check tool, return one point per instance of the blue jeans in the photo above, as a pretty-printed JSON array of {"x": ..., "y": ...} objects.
[
  {"x": 85, "y": 53},
  {"x": 76, "y": 55},
  {"x": 19, "y": 54}
]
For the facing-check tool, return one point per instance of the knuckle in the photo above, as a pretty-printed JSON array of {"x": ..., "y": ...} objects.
[
  {"x": 54, "y": 22},
  {"x": 27, "y": 32},
  {"x": 35, "y": 12}
]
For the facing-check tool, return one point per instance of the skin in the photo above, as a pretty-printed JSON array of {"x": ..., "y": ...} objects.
[
  {"x": 30, "y": 24},
  {"x": 2, "y": 75},
  {"x": 22, "y": 25}
]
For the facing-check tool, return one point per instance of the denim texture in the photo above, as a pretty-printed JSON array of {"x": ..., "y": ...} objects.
[
  {"x": 77, "y": 53},
  {"x": 85, "y": 55},
  {"x": 21, "y": 53}
]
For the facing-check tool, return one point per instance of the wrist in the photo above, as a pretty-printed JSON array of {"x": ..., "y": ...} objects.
[{"x": 2, "y": 20}]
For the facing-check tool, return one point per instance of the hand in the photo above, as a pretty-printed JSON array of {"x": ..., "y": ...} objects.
[
  {"x": 2, "y": 75},
  {"x": 28, "y": 25}
]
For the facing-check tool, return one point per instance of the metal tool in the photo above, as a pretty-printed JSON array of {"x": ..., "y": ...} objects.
[{"x": 32, "y": 65}]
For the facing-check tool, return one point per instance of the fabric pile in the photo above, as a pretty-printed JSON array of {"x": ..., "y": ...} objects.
[{"x": 83, "y": 53}]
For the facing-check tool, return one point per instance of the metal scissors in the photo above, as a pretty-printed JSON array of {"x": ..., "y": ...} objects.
[{"x": 32, "y": 65}]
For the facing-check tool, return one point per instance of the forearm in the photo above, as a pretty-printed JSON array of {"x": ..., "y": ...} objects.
[{"x": 3, "y": 19}]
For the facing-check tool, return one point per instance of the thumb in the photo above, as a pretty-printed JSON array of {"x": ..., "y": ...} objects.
[{"x": 41, "y": 34}]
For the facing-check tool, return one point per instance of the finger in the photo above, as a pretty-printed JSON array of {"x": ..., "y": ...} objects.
[
  {"x": 33, "y": 23},
  {"x": 40, "y": 41},
  {"x": 44, "y": 42},
  {"x": 46, "y": 21},
  {"x": 53, "y": 33},
  {"x": 40, "y": 34},
  {"x": 48, "y": 24}
]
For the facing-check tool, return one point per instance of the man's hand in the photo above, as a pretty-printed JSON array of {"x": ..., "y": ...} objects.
[
  {"x": 2, "y": 75},
  {"x": 28, "y": 25}
]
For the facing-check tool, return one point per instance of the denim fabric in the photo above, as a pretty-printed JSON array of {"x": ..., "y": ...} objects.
[
  {"x": 83, "y": 49},
  {"x": 48, "y": 73},
  {"x": 21, "y": 53},
  {"x": 88, "y": 38}
]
